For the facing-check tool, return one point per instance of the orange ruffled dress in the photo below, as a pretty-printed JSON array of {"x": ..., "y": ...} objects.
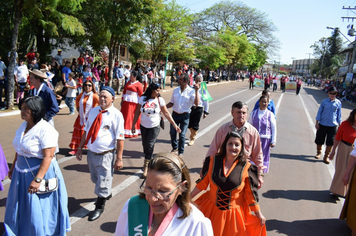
[
  {"x": 78, "y": 129},
  {"x": 231, "y": 199}
]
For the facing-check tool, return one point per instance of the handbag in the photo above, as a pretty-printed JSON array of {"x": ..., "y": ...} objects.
[
  {"x": 46, "y": 185},
  {"x": 161, "y": 123}
]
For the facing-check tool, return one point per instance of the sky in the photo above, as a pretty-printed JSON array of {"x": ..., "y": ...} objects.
[{"x": 299, "y": 23}]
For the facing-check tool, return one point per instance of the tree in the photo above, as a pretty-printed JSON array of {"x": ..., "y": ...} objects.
[
  {"x": 325, "y": 49},
  {"x": 169, "y": 24},
  {"x": 118, "y": 21},
  {"x": 212, "y": 55},
  {"x": 15, "y": 31},
  {"x": 238, "y": 17},
  {"x": 137, "y": 50},
  {"x": 43, "y": 19}
]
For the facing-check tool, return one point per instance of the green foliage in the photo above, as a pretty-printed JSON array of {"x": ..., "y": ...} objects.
[
  {"x": 168, "y": 25},
  {"x": 212, "y": 55},
  {"x": 327, "y": 51},
  {"x": 238, "y": 17},
  {"x": 137, "y": 49}
]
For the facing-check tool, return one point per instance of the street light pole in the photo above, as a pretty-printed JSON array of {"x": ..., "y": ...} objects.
[{"x": 328, "y": 27}]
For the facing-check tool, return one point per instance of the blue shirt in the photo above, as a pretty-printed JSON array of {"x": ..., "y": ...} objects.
[
  {"x": 66, "y": 71},
  {"x": 49, "y": 100},
  {"x": 329, "y": 113},
  {"x": 120, "y": 72},
  {"x": 85, "y": 75},
  {"x": 270, "y": 106}
]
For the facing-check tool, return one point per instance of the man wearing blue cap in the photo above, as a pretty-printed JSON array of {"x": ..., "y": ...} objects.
[{"x": 104, "y": 136}]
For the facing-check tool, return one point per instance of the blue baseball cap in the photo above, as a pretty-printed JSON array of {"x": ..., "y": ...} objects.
[{"x": 109, "y": 89}]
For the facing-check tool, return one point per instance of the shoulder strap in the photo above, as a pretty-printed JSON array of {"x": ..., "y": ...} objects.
[
  {"x": 138, "y": 213},
  {"x": 159, "y": 104}
]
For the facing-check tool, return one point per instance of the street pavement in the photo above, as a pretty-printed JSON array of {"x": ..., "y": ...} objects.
[{"x": 294, "y": 197}]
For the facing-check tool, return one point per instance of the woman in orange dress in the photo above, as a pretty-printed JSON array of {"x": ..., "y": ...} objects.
[
  {"x": 84, "y": 103},
  {"x": 233, "y": 191},
  {"x": 132, "y": 91},
  {"x": 345, "y": 137}
]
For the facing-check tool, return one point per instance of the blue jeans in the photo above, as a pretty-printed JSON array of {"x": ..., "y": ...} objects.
[
  {"x": 70, "y": 103},
  {"x": 182, "y": 120}
]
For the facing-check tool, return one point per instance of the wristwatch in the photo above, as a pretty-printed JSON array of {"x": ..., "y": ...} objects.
[{"x": 37, "y": 180}]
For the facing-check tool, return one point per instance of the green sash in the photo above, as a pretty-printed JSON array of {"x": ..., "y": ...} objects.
[{"x": 138, "y": 214}]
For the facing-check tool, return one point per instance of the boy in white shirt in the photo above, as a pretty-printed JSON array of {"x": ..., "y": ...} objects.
[{"x": 71, "y": 93}]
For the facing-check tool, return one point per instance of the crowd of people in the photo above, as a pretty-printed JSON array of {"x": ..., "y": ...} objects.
[{"x": 231, "y": 174}]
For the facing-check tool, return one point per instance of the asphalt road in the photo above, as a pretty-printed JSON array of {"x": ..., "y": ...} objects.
[{"x": 294, "y": 198}]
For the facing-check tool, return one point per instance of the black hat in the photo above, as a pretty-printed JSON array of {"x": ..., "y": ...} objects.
[{"x": 332, "y": 89}]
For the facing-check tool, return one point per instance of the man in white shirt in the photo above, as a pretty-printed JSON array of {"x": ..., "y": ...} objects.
[
  {"x": 182, "y": 100},
  {"x": 127, "y": 74},
  {"x": 103, "y": 132},
  {"x": 21, "y": 74}
]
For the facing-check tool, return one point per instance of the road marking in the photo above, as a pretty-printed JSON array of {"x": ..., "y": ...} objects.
[
  {"x": 278, "y": 104},
  {"x": 221, "y": 99},
  {"x": 81, "y": 213},
  {"x": 331, "y": 167},
  {"x": 210, "y": 127}
]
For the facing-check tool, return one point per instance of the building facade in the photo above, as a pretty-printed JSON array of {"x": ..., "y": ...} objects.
[{"x": 301, "y": 67}]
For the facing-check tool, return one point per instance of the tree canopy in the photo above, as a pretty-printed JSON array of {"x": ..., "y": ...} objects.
[{"x": 327, "y": 54}]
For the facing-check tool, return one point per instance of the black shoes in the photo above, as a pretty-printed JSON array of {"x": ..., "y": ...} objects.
[
  {"x": 99, "y": 208},
  {"x": 95, "y": 214}
]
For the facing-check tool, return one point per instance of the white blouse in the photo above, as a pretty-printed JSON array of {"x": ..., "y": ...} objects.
[
  {"x": 150, "y": 111},
  {"x": 41, "y": 136},
  {"x": 196, "y": 224}
]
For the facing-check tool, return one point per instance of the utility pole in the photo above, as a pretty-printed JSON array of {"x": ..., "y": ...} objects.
[
  {"x": 323, "y": 43},
  {"x": 348, "y": 18}
]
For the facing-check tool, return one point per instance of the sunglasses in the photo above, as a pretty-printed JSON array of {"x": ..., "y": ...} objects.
[
  {"x": 332, "y": 93},
  {"x": 88, "y": 85}
]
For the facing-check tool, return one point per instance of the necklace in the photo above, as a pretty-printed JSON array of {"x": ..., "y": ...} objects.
[{"x": 27, "y": 128}]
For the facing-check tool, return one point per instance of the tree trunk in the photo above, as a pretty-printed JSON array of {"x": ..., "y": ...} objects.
[
  {"x": 12, "y": 62},
  {"x": 111, "y": 59}
]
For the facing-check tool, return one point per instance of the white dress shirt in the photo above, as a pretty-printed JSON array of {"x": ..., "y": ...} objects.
[{"x": 183, "y": 101}]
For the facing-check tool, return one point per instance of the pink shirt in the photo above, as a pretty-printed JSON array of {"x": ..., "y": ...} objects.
[{"x": 252, "y": 143}]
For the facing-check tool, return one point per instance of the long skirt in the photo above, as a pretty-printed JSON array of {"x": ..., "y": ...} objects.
[
  {"x": 349, "y": 209},
  {"x": 78, "y": 131},
  {"x": 266, "y": 149},
  {"x": 128, "y": 112},
  {"x": 342, "y": 158},
  {"x": 36, "y": 214}
]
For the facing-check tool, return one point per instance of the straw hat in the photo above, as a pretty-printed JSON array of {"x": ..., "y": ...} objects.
[{"x": 38, "y": 73}]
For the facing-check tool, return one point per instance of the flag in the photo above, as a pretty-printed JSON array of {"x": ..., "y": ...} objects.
[
  {"x": 258, "y": 83},
  {"x": 204, "y": 92}
]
